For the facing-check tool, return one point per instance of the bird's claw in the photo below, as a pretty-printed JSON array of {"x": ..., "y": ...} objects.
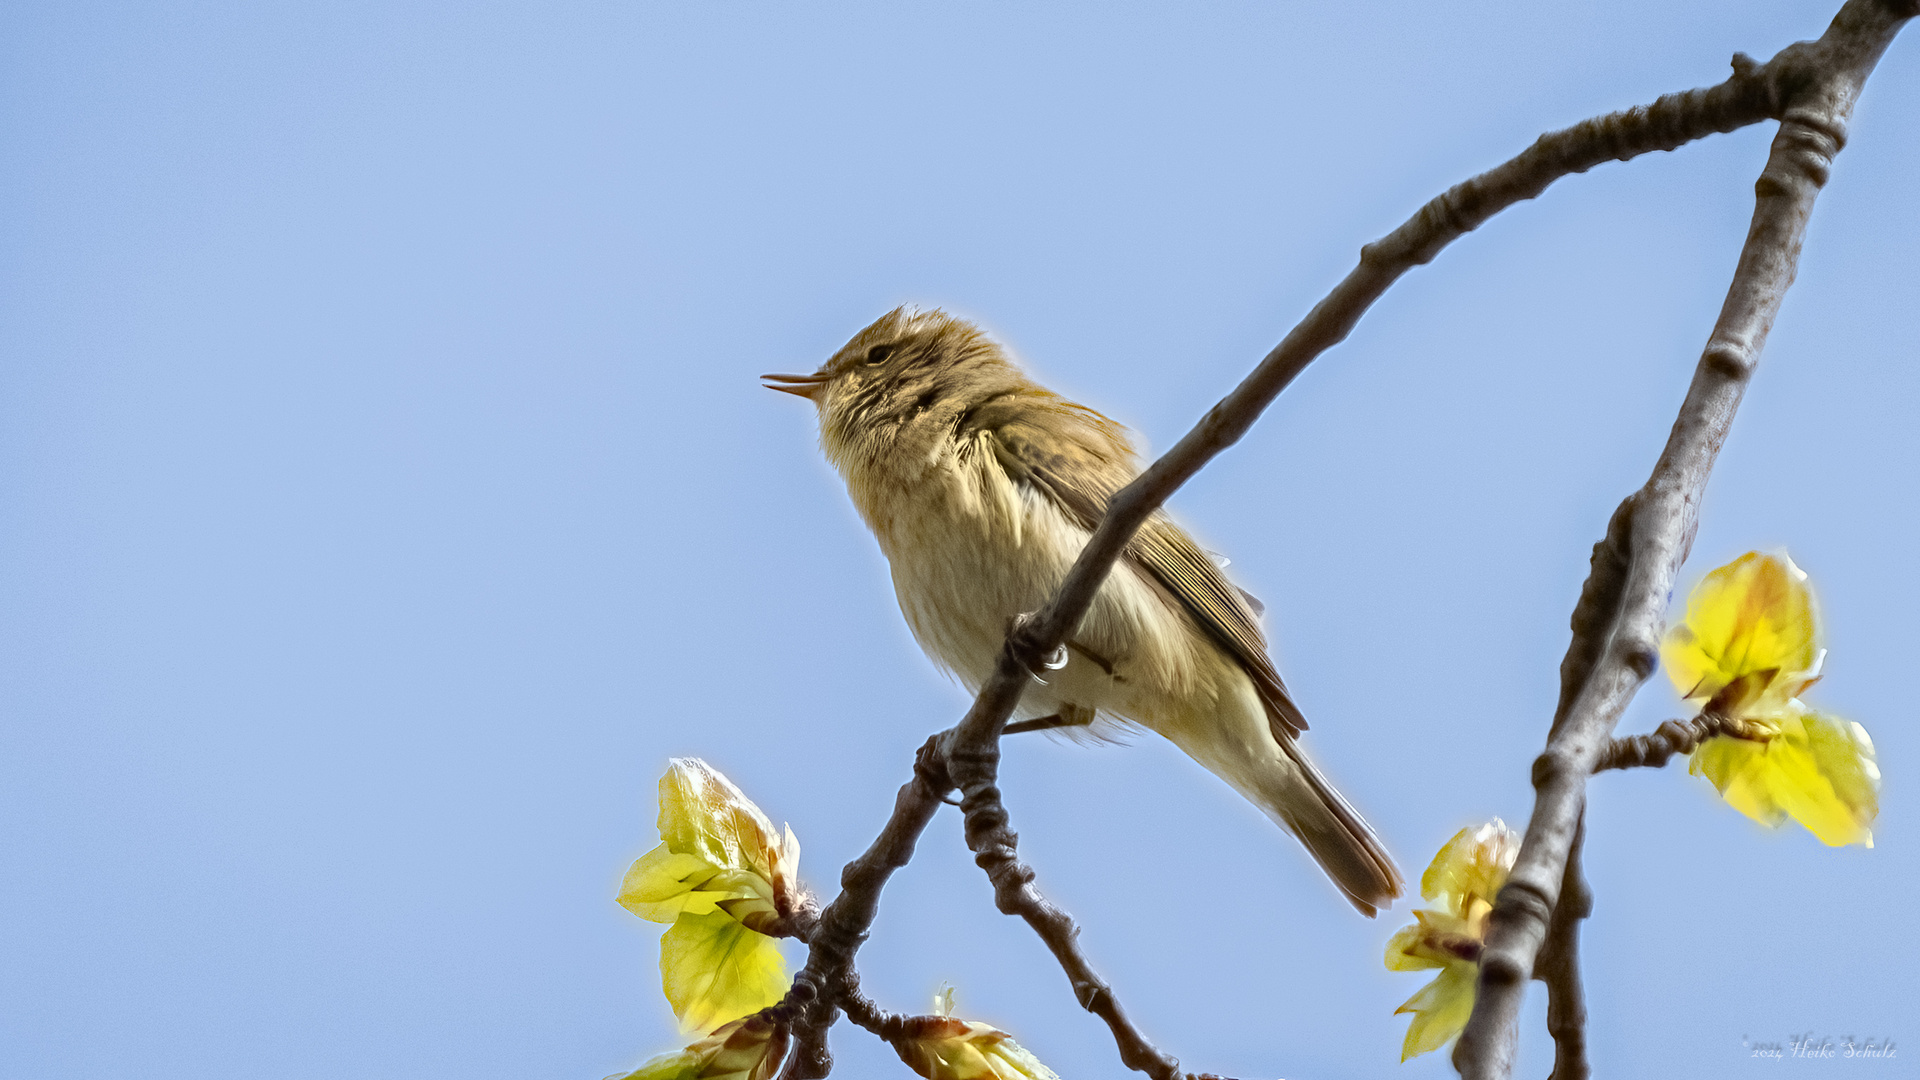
[{"x": 1053, "y": 661}]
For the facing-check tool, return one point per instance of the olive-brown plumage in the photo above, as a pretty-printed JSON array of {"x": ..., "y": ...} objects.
[{"x": 982, "y": 486}]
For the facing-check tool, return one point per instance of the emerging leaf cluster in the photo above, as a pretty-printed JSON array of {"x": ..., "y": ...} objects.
[
  {"x": 726, "y": 880},
  {"x": 1748, "y": 647},
  {"x": 1459, "y": 886},
  {"x": 728, "y": 883}
]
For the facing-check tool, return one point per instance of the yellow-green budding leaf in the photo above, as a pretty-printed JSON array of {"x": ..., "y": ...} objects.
[
  {"x": 1449, "y": 934},
  {"x": 942, "y": 1047},
  {"x": 1751, "y": 616},
  {"x": 1748, "y": 647},
  {"x": 718, "y": 852},
  {"x": 747, "y": 1049},
  {"x": 726, "y": 880},
  {"x": 1818, "y": 770},
  {"x": 714, "y": 970}
]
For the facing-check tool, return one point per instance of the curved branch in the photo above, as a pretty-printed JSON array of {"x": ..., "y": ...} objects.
[
  {"x": 1657, "y": 523},
  {"x": 993, "y": 842},
  {"x": 1753, "y": 93}
]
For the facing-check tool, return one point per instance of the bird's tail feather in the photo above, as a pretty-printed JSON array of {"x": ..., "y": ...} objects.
[{"x": 1307, "y": 805}]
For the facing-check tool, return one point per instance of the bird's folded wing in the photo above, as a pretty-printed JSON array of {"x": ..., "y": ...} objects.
[{"x": 1072, "y": 463}]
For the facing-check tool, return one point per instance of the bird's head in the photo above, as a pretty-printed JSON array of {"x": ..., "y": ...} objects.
[{"x": 908, "y": 366}]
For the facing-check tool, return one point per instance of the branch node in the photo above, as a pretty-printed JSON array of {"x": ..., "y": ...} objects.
[
  {"x": 1498, "y": 969},
  {"x": 1641, "y": 656},
  {"x": 1010, "y": 878},
  {"x": 1550, "y": 767},
  {"x": 1729, "y": 359},
  {"x": 1520, "y": 910},
  {"x": 1822, "y": 133},
  {"x": 930, "y": 767}
]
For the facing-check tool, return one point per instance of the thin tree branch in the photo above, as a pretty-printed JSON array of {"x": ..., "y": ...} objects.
[
  {"x": 1754, "y": 93},
  {"x": 1670, "y": 738},
  {"x": 1654, "y": 528},
  {"x": 862, "y": 1011},
  {"x": 815, "y": 998},
  {"x": 993, "y": 842},
  {"x": 1559, "y": 967}
]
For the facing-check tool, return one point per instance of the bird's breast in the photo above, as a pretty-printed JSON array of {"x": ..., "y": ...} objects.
[{"x": 970, "y": 549}]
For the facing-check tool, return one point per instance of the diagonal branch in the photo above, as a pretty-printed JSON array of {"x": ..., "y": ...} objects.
[
  {"x": 992, "y": 840},
  {"x": 814, "y": 1000},
  {"x": 1754, "y": 93},
  {"x": 1621, "y": 614}
]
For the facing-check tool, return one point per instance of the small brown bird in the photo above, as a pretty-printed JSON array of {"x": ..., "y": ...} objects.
[{"x": 982, "y": 486}]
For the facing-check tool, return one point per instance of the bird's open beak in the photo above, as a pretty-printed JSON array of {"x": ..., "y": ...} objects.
[{"x": 805, "y": 386}]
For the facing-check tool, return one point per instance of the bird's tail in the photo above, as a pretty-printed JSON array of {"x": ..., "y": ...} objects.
[{"x": 1307, "y": 805}]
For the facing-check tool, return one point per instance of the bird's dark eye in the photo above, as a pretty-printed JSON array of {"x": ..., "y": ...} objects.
[{"x": 878, "y": 355}]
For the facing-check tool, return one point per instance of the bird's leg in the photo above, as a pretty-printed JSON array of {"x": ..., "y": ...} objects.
[
  {"x": 1101, "y": 662},
  {"x": 1068, "y": 716}
]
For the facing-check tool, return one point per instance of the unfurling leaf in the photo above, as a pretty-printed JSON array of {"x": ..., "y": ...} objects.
[
  {"x": 747, "y": 1049},
  {"x": 1753, "y": 615},
  {"x": 945, "y": 1048},
  {"x": 662, "y": 885},
  {"x": 714, "y": 970},
  {"x": 1460, "y": 886},
  {"x": 718, "y": 851},
  {"x": 725, "y": 879},
  {"x": 1817, "y": 770},
  {"x": 1440, "y": 1010},
  {"x": 1747, "y": 648}
]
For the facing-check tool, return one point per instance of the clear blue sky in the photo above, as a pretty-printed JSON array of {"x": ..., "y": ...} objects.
[{"x": 388, "y": 494}]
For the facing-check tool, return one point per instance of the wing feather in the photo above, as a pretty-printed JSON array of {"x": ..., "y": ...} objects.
[{"x": 1080, "y": 474}]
